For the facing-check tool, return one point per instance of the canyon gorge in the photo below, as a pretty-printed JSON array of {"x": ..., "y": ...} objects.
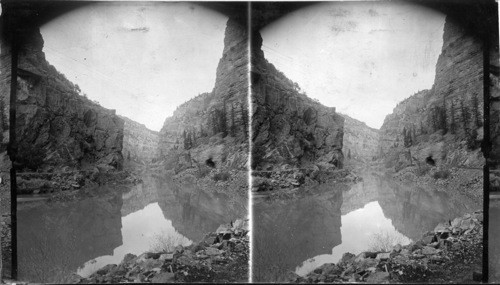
[{"x": 88, "y": 177}]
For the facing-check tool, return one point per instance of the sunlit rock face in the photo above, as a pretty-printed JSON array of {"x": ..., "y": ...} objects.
[
  {"x": 451, "y": 111},
  {"x": 53, "y": 241},
  {"x": 53, "y": 122},
  {"x": 140, "y": 144},
  {"x": 285, "y": 236},
  {"x": 215, "y": 124},
  {"x": 289, "y": 127},
  {"x": 360, "y": 141}
]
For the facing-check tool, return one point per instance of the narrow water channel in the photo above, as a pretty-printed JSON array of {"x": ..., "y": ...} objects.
[
  {"x": 302, "y": 234},
  {"x": 57, "y": 239}
]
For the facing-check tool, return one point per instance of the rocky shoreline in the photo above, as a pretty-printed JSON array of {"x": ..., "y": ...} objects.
[
  {"x": 468, "y": 182},
  {"x": 452, "y": 252},
  {"x": 54, "y": 182},
  {"x": 221, "y": 256},
  {"x": 293, "y": 180}
]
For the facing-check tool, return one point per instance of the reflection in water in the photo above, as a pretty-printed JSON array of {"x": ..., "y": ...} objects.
[
  {"x": 53, "y": 240},
  {"x": 305, "y": 233},
  {"x": 287, "y": 233},
  {"x": 57, "y": 239},
  {"x": 358, "y": 230},
  {"x": 139, "y": 231}
]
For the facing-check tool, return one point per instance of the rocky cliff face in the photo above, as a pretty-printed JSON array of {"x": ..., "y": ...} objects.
[
  {"x": 215, "y": 124},
  {"x": 289, "y": 129},
  {"x": 140, "y": 144},
  {"x": 445, "y": 122},
  {"x": 55, "y": 126},
  {"x": 5, "y": 71},
  {"x": 360, "y": 141}
]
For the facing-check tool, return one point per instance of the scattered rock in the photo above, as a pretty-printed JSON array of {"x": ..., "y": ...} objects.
[
  {"x": 383, "y": 256},
  {"x": 164, "y": 277},
  {"x": 378, "y": 277},
  {"x": 426, "y": 260},
  {"x": 223, "y": 262}
]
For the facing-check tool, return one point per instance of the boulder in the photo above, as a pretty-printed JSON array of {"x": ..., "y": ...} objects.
[
  {"x": 164, "y": 277},
  {"x": 378, "y": 277}
]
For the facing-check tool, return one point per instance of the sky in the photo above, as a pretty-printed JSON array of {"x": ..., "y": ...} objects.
[
  {"x": 360, "y": 57},
  {"x": 142, "y": 59}
]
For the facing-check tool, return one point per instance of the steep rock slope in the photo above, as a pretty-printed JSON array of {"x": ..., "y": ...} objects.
[
  {"x": 5, "y": 71},
  {"x": 290, "y": 130},
  {"x": 445, "y": 122},
  {"x": 140, "y": 144},
  {"x": 55, "y": 126},
  {"x": 213, "y": 126},
  {"x": 360, "y": 141}
]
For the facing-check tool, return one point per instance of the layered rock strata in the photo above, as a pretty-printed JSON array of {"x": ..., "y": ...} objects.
[
  {"x": 444, "y": 123},
  {"x": 212, "y": 128},
  {"x": 360, "y": 141},
  {"x": 140, "y": 144},
  {"x": 289, "y": 129},
  {"x": 55, "y": 125}
]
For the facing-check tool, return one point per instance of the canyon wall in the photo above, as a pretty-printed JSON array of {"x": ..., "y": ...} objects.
[
  {"x": 5, "y": 72},
  {"x": 214, "y": 125},
  {"x": 290, "y": 130},
  {"x": 140, "y": 144},
  {"x": 55, "y": 126},
  {"x": 360, "y": 141},
  {"x": 445, "y": 122}
]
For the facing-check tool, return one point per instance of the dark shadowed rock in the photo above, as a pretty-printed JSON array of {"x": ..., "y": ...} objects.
[{"x": 289, "y": 128}]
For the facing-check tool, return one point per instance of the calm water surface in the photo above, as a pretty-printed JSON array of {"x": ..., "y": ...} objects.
[
  {"x": 302, "y": 234},
  {"x": 57, "y": 239}
]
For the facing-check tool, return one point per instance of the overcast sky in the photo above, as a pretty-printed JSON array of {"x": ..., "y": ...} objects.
[
  {"x": 141, "y": 59},
  {"x": 360, "y": 57}
]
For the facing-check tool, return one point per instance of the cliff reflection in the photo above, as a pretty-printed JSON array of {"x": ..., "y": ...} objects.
[
  {"x": 302, "y": 234},
  {"x": 287, "y": 233},
  {"x": 413, "y": 210},
  {"x": 57, "y": 239},
  {"x": 54, "y": 239},
  {"x": 192, "y": 211}
]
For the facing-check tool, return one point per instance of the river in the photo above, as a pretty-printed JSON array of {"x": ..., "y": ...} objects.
[
  {"x": 57, "y": 239},
  {"x": 304, "y": 233}
]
